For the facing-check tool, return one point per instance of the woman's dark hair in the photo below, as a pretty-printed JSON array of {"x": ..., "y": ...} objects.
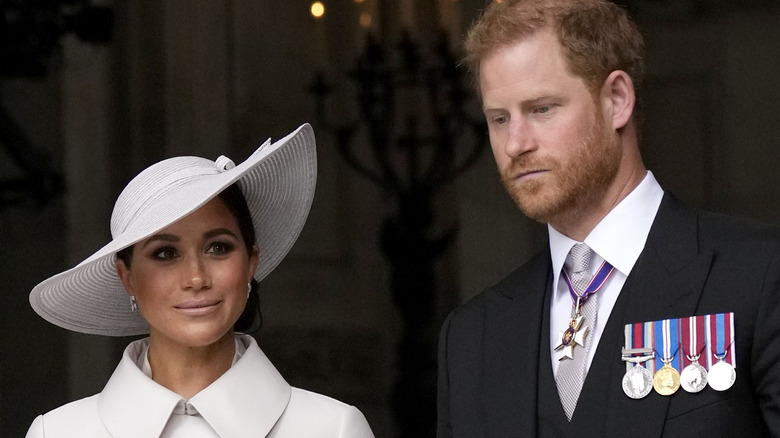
[{"x": 250, "y": 319}]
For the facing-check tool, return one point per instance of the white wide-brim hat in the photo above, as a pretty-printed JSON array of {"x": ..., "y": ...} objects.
[{"x": 277, "y": 180}]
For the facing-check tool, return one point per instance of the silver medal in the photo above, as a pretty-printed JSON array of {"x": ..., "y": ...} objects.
[
  {"x": 693, "y": 378},
  {"x": 637, "y": 382},
  {"x": 721, "y": 376}
]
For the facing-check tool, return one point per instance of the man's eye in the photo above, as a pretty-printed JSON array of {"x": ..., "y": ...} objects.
[
  {"x": 542, "y": 109},
  {"x": 499, "y": 120}
]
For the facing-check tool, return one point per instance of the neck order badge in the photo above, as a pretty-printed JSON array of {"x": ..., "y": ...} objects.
[{"x": 575, "y": 334}]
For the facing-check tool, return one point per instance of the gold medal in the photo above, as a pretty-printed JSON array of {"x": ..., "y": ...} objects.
[{"x": 666, "y": 381}]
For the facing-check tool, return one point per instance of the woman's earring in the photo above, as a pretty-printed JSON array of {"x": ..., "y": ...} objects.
[
  {"x": 248, "y": 290},
  {"x": 133, "y": 303}
]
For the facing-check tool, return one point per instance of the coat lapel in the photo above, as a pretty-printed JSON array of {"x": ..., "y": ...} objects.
[
  {"x": 248, "y": 400},
  {"x": 666, "y": 282},
  {"x": 511, "y": 350},
  {"x": 131, "y": 404},
  {"x": 670, "y": 275}
]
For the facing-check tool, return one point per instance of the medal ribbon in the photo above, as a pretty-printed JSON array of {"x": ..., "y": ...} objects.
[
  {"x": 595, "y": 284},
  {"x": 720, "y": 334},
  {"x": 693, "y": 337},
  {"x": 667, "y": 338},
  {"x": 640, "y": 335}
]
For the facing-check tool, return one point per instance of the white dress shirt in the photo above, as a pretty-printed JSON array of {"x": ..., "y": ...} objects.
[{"x": 619, "y": 239}]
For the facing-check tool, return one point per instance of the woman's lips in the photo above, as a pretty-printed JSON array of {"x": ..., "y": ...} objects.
[{"x": 197, "y": 308}]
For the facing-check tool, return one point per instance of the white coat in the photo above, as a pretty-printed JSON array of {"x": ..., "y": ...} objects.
[{"x": 250, "y": 400}]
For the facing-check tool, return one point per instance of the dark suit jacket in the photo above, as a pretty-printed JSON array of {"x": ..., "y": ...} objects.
[{"x": 693, "y": 263}]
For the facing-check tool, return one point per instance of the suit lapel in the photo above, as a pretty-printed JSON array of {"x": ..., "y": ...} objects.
[
  {"x": 669, "y": 277},
  {"x": 666, "y": 282},
  {"x": 511, "y": 350}
]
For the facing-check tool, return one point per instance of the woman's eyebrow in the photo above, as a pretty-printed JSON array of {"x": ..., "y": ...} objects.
[
  {"x": 218, "y": 232},
  {"x": 161, "y": 237}
]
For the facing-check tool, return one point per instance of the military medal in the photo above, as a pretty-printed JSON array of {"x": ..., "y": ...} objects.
[
  {"x": 576, "y": 333},
  {"x": 694, "y": 376},
  {"x": 666, "y": 380},
  {"x": 638, "y": 380},
  {"x": 638, "y": 351},
  {"x": 722, "y": 374},
  {"x": 680, "y": 344}
]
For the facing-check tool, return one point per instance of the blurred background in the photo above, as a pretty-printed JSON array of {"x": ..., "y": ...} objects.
[{"x": 409, "y": 218}]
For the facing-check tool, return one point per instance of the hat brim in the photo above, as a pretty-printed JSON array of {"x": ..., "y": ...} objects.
[{"x": 278, "y": 182}]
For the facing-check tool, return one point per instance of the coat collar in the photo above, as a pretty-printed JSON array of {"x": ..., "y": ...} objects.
[{"x": 245, "y": 401}]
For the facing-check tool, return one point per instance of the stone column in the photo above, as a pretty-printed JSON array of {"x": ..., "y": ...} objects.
[{"x": 87, "y": 120}]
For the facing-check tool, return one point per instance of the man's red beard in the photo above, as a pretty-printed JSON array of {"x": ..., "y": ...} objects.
[{"x": 570, "y": 185}]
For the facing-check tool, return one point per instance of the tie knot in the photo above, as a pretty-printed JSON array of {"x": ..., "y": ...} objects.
[{"x": 579, "y": 258}]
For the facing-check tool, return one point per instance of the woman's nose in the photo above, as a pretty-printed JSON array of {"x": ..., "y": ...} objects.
[{"x": 196, "y": 276}]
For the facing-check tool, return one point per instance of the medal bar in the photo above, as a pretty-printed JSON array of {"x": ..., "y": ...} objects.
[{"x": 690, "y": 353}]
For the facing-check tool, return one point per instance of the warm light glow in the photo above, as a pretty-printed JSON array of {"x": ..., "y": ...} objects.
[
  {"x": 317, "y": 9},
  {"x": 359, "y": 1},
  {"x": 365, "y": 20}
]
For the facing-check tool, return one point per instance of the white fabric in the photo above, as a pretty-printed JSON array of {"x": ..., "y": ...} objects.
[
  {"x": 250, "y": 400},
  {"x": 619, "y": 238},
  {"x": 185, "y": 421}
]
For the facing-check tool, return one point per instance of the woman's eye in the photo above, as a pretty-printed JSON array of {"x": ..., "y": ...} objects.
[
  {"x": 165, "y": 253},
  {"x": 219, "y": 248}
]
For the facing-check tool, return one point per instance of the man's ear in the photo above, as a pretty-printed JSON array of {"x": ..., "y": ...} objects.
[
  {"x": 124, "y": 275},
  {"x": 618, "y": 98}
]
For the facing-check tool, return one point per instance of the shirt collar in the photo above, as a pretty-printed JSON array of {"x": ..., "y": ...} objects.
[
  {"x": 245, "y": 401},
  {"x": 143, "y": 358},
  {"x": 620, "y": 237}
]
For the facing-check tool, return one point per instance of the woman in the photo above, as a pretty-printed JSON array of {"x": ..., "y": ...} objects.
[{"x": 191, "y": 239}]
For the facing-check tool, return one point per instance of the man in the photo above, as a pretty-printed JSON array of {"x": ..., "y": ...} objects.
[{"x": 542, "y": 352}]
